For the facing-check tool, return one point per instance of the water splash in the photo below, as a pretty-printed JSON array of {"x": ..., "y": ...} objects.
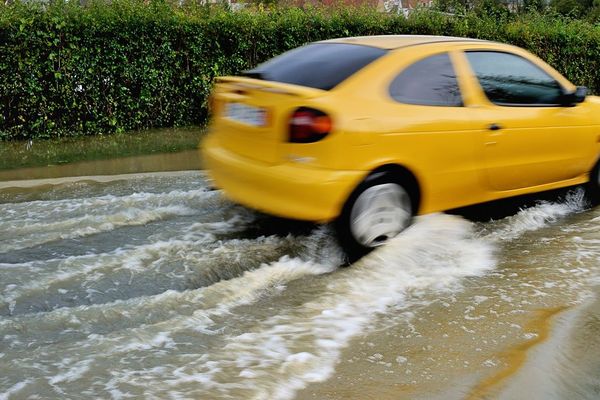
[
  {"x": 533, "y": 218},
  {"x": 35, "y": 223},
  {"x": 267, "y": 362}
]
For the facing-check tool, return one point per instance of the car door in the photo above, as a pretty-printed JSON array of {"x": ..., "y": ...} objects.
[{"x": 529, "y": 138}]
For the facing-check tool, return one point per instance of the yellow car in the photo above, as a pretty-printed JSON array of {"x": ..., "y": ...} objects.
[{"x": 369, "y": 131}]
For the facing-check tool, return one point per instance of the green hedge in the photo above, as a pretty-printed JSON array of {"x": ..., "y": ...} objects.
[{"x": 68, "y": 70}]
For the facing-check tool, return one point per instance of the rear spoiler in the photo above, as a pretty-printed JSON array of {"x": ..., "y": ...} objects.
[{"x": 270, "y": 86}]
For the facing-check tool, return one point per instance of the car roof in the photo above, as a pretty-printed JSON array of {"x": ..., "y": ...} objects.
[{"x": 389, "y": 42}]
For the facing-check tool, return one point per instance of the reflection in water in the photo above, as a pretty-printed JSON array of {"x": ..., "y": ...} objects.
[
  {"x": 567, "y": 365},
  {"x": 70, "y": 150},
  {"x": 580, "y": 356},
  {"x": 185, "y": 160}
]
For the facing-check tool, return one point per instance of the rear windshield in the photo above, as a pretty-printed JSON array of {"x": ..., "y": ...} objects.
[{"x": 318, "y": 65}]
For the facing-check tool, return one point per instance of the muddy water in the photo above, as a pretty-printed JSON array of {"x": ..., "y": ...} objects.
[
  {"x": 154, "y": 286},
  {"x": 183, "y": 160}
]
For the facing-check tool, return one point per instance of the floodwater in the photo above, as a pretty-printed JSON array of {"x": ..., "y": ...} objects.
[
  {"x": 155, "y": 286},
  {"x": 183, "y": 160}
]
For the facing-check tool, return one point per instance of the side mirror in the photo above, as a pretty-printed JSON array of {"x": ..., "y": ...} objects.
[
  {"x": 573, "y": 98},
  {"x": 580, "y": 94}
]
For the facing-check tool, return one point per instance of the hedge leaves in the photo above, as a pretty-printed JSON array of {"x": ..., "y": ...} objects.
[{"x": 69, "y": 70}]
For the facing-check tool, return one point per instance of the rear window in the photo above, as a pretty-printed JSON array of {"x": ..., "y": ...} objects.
[{"x": 318, "y": 65}]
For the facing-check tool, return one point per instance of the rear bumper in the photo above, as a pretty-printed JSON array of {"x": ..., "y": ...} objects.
[{"x": 285, "y": 190}]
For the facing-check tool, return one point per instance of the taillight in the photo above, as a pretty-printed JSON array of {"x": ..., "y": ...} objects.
[{"x": 308, "y": 125}]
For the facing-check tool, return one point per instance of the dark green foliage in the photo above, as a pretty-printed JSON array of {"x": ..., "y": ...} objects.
[
  {"x": 534, "y": 5},
  {"x": 588, "y": 10},
  {"x": 572, "y": 8},
  {"x": 68, "y": 70}
]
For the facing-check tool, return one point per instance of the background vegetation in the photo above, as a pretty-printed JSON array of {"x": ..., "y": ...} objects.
[
  {"x": 587, "y": 10},
  {"x": 68, "y": 69}
]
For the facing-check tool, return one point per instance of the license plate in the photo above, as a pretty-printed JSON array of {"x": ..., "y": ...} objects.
[{"x": 245, "y": 114}]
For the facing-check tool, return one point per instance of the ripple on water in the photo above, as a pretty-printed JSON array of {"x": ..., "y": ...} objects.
[
  {"x": 195, "y": 311},
  {"x": 36, "y": 223},
  {"x": 284, "y": 352}
]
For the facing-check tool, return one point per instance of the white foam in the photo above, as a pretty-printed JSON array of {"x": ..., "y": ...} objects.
[
  {"x": 14, "y": 389},
  {"x": 195, "y": 249},
  {"x": 536, "y": 217},
  {"x": 72, "y": 374},
  {"x": 38, "y": 222},
  {"x": 418, "y": 259},
  {"x": 434, "y": 254},
  {"x": 156, "y": 333},
  {"x": 159, "y": 340}
]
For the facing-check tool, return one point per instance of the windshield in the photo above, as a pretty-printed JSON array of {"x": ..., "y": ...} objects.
[{"x": 318, "y": 65}]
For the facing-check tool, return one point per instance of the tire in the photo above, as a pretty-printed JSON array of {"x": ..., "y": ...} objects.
[
  {"x": 378, "y": 210},
  {"x": 593, "y": 186}
]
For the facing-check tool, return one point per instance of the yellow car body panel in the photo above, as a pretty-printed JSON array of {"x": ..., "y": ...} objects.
[
  {"x": 451, "y": 151},
  {"x": 285, "y": 189}
]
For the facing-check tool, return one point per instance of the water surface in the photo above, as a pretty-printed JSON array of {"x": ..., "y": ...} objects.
[{"x": 156, "y": 286}]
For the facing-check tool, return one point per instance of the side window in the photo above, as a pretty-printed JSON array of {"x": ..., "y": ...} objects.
[
  {"x": 508, "y": 79},
  {"x": 429, "y": 82}
]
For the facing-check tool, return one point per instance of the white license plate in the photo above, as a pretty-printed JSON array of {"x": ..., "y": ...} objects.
[{"x": 245, "y": 114}]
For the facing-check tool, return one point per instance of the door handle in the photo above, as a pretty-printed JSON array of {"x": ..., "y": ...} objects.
[{"x": 494, "y": 127}]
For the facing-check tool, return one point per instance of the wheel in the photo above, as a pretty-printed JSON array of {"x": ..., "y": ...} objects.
[
  {"x": 378, "y": 210},
  {"x": 593, "y": 186}
]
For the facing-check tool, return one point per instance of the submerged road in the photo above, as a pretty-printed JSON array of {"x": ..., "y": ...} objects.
[{"x": 154, "y": 286}]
